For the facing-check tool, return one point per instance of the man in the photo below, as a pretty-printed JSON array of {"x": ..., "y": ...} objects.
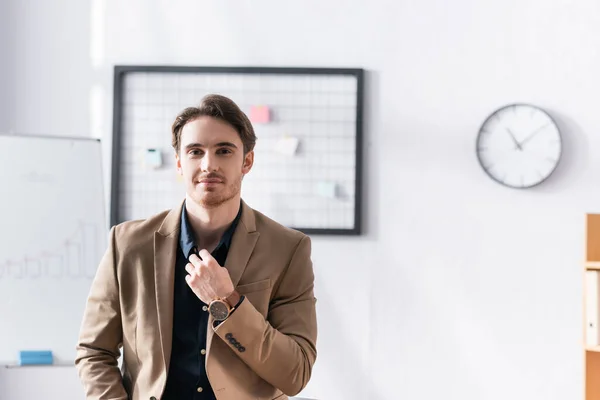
[{"x": 210, "y": 300}]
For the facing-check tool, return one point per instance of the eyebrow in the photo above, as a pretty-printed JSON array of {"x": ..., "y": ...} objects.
[{"x": 220, "y": 144}]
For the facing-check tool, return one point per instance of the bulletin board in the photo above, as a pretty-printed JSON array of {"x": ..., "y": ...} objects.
[{"x": 307, "y": 169}]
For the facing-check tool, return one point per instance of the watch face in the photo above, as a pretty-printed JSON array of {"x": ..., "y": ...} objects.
[
  {"x": 519, "y": 146},
  {"x": 219, "y": 310}
]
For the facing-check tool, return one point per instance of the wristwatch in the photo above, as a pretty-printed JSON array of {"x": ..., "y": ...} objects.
[{"x": 220, "y": 309}]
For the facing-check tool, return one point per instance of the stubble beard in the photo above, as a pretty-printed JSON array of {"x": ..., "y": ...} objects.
[{"x": 211, "y": 198}]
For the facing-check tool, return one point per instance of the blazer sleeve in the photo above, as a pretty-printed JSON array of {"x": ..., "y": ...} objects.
[
  {"x": 101, "y": 333},
  {"x": 282, "y": 349}
]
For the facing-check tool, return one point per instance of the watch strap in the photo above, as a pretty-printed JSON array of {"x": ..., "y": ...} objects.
[{"x": 233, "y": 299}]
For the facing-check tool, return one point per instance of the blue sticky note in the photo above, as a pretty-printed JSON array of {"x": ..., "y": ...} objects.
[
  {"x": 35, "y": 357},
  {"x": 327, "y": 189},
  {"x": 153, "y": 158}
]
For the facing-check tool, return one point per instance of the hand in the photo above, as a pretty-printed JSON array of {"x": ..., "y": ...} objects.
[
  {"x": 207, "y": 279},
  {"x": 517, "y": 145},
  {"x": 531, "y": 135}
]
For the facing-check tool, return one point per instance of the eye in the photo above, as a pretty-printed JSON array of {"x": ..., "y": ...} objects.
[
  {"x": 195, "y": 152},
  {"x": 224, "y": 151}
]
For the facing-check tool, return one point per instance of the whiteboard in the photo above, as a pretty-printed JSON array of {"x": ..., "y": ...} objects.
[{"x": 53, "y": 233}]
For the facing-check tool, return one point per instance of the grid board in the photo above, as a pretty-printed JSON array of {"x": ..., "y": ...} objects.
[{"x": 307, "y": 166}]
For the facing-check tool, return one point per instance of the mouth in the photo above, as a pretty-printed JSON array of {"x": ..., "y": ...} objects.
[{"x": 210, "y": 182}]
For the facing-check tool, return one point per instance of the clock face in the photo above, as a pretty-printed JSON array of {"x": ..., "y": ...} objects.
[
  {"x": 218, "y": 310},
  {"x": 519, "y": 146}
]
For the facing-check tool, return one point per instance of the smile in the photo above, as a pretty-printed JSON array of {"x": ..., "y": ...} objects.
[{"x": 210, "y": 181}]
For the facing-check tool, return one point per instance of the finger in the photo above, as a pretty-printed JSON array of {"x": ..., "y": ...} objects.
[
  {"x": 198, "y": 274},
  {"x": 205, "y": 255},
  {"x": 207, "y": 258},
  {"x": 195, "y": 260},
  {"x": 195, "y": 271},
  {"x": 190, "y": 269},
  {"x": 197, "y": 263},
  {"x": 191, "y": 281}
]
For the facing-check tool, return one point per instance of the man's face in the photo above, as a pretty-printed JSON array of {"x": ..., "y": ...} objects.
[{"x": 211, "y": 161}]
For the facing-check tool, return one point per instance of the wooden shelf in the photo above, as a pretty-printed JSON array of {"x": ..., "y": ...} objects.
[
  {"x": 593, "y": 237},
  {"x": 593, "y": 265},
  {"x": 592, "y": 384},
  {"x": 592, "y": 353}
]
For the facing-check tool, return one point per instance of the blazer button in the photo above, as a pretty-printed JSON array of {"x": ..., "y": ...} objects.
[
  {"x": 152, "y": 398},
  {"x": 241, "y": 349},
  {"x": 228, "y": 336}
]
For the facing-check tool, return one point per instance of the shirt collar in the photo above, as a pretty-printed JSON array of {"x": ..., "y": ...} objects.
[{"x": 187, "y": 241}]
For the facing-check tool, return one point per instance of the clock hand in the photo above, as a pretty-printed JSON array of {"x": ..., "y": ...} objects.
[
  {"x": 517, "y": 145},
  {"x": 531, "y": 135}
]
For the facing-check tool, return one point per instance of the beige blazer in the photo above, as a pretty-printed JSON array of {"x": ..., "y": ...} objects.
[{"x": 130, "y": 304}]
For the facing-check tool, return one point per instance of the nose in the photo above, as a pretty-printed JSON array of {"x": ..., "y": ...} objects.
[{"x": 209, "y": 163}]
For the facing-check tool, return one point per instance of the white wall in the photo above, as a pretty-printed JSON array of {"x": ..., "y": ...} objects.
[
  {"x": 460, "y": 289},
  {"x": 51, "y": 76},
  {"x": 6, "y": 70}
]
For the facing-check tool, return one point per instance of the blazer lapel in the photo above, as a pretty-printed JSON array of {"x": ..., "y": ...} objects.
[
  {"x": 242, "y": 244},
  {"x": 165, "y": 257}
]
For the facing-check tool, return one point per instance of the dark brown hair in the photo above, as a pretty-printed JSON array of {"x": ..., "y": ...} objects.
[{"x": 220, "y": 107}]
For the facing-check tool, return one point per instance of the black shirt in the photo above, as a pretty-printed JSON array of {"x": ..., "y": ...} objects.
[{"x": 187, "y": 379}]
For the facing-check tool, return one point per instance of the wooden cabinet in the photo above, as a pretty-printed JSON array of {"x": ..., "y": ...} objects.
[{"x": 592, "y": 346}]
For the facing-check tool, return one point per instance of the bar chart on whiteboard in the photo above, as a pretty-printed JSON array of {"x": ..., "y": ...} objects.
[
  {"x": 54, "y": 234},
  {"x": 75, "y": 257}
]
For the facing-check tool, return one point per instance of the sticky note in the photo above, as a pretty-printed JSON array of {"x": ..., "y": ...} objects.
[
  {"x": 153, "y": 158},
  {"x": 260, "y": 114},
  {"x": 287, "y": 145},
  {"x": 31, "y": 357},
  {"x": 327, "y": 189}
]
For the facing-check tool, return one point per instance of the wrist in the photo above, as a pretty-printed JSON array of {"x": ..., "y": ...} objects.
[{"x": 233, "y": 299}]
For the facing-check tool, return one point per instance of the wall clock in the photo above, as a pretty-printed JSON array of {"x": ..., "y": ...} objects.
[{"x": 519, "y": 146}]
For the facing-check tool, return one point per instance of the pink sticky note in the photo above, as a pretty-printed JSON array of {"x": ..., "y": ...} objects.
[{"x": 259, "y": 114}]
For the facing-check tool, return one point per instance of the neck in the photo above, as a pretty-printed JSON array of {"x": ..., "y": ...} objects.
[{"x": 209, "y": 224}]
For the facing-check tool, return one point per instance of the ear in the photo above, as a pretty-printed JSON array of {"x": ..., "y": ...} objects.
[
  {"x": 248, "y": 162},
  {"x": 178, "y": 164}
]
